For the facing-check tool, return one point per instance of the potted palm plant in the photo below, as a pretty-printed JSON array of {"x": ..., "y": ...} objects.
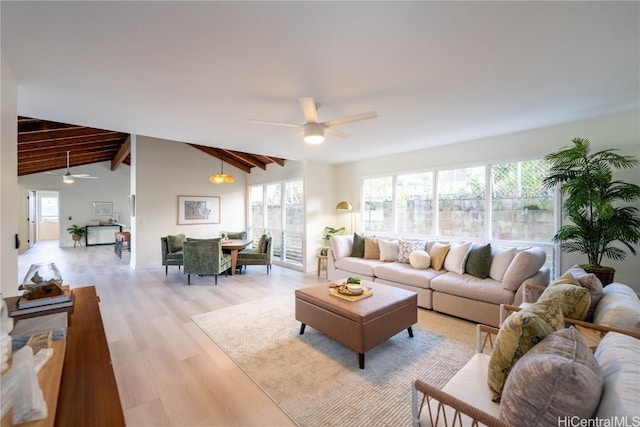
[
  {"x": 77, "y": 233},
  {"x": 596, "y": 203}
]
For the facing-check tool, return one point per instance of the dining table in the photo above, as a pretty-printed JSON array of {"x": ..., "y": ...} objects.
[{"x": 233, "y": 246}]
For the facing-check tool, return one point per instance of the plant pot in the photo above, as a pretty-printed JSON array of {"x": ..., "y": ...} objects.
[{"x": 605, "y": 274}]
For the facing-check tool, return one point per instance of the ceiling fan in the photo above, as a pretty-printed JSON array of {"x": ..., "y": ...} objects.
[
  {"x": 313, "y": 130},
  {"x": 68, "y": 177}
]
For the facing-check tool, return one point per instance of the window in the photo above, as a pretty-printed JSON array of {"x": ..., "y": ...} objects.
[
  {"x": 521, "y": 209},
  {"x": 461, "y": 202},
  {"x": 48, "y": 209},
  {"x": 414, "y": 203},
  {"x": 278, "y": 209},
  {"x": 378, "y": 204}
]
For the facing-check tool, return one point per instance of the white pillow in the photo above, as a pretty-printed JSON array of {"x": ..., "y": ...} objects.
[
  {"x": 388, "y": 249},
  {"x": 420, "y": 260},
  {"x": 341, "y": 246},
  {"x": 457, "y": 257},
  {"x": 500, "y": 260},
  {"x": 524, "y": 265},
  {"x": 619, "y": 308}
]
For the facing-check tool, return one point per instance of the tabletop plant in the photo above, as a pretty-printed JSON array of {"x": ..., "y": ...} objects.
[{"x": 601, "y": 209}]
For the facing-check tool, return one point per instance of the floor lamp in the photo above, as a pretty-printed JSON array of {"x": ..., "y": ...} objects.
[{"x": 346, "y": 206}]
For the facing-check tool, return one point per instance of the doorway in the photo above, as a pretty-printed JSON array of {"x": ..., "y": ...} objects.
[{"x": 43, "y": 216}]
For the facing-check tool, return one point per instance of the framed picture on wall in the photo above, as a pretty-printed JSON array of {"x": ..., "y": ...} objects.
[
  {"x": 198, "y": 210},
  {"x": 102, "y": 208}
]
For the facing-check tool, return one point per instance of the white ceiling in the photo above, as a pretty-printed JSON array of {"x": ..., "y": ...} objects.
[{"x": 436, "y": 72}]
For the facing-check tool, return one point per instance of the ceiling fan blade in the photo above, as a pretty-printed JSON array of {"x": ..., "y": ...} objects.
[
  {"x": 53, "y": 173},
  {"x": 267, "y": 122},
  {"x": 80, "y": 175},
  {"x": 85, "y": 177},
  {"x": 308, "y": 106},
  {"x": 337, "y": 133},
  {"x": 350, "y": 119}
]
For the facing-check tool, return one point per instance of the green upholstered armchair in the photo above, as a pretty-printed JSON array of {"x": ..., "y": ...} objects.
[
  {"x": 204, "y": 257},
  {"x": 260, "y": 256},
  {"x": 172, "y": 251},
  {"x": 234, "y": 234}
]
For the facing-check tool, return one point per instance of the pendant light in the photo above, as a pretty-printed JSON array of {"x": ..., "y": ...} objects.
[{"x": 221, "y": 178}]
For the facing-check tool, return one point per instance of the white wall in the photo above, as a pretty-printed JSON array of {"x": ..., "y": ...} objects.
[
  {"x": 163, "y": 171},
  {"x": 76, "y": 199},
  {"x": 8, "y": 173},
  {"x": 621, "y": 132}
]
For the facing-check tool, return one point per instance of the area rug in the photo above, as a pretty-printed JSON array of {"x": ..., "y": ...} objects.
[{"x": 315, "y": 379}]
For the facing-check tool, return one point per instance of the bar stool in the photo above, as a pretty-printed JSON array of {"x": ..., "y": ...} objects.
[{"x": 121, "y": 238}]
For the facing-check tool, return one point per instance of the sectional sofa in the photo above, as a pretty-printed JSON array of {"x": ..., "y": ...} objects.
[{"x": 457, "y": 278}]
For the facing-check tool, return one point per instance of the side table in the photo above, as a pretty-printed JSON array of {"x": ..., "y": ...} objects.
[{"x": 322, "y": 259}]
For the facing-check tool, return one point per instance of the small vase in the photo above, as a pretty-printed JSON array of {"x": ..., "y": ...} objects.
[{"x": 41, "y": 273}]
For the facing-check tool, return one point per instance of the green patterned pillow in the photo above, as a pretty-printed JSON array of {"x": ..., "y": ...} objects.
[
  {"x": 479, "y": 261},
  {"x": 174, "y": 243},
  {"x": 518, "y": 334},
  {"x": 574, "y": 300}
]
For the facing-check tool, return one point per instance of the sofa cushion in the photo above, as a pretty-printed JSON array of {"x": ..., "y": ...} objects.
[
  {"x": 618, "y": 357},
  {"x": 174, "y": 243},
  {"x": 357, "y": 266},
  {"x": 574, "y": 300},
  {"x": 371, "y": 248},
  {"x": 438, "y": 253},
  {"x": 457, "y": 257},
  {"x": 470, "y": 287},
  {"x": 500, "y": 260},
  {"x": 557, "y": 378},
  {"x": 403, "y": 273},
  {"x": 619, "y": 308},
  {"x": 420, "y": 260},
  {"x": 479, "y": 261},
  {"x": 405, "y": 247},
  {"x": 524, "y": 265},
  {"x": 357, "y": 249},
  {"x": 341, "y": 246},
  {"x": 592, "y": 283},
  {"x": 518, "y": 334},
  {"x": 388, "y": 249}
]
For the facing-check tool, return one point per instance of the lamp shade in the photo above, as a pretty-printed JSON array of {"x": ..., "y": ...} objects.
[
  {"x": 344, "y": 206},
  {"x": 313, "y": 133},
  {"x": 221, "y": 178}
]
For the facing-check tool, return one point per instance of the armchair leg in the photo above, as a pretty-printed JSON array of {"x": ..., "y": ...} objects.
[
  {"x": 216, "y": 280},
  {"x": 166, "y": 269}
]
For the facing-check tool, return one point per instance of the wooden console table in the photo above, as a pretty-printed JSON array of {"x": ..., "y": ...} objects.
[{"x": 86, "y": 392}]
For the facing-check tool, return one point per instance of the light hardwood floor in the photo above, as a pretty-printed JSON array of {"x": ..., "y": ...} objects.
[{"x": 169, "y": 373}]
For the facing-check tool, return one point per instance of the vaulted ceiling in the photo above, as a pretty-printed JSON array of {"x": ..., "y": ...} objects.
[{"x": 43, "y": 146}]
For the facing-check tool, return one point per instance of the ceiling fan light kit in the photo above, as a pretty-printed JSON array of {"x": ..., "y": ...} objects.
[
  {"x": 313, "y": 130},
  {"x": 313, "y": 133},
  {"x": 68, "y": 177}
]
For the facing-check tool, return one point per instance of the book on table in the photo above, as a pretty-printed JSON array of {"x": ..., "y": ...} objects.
[
  {"x": 24, "y": 302},
  {"x": 40, "y": 308}
]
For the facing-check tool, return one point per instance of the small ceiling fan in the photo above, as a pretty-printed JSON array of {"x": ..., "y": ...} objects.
[
  {"x": 68, "y": 177},
  {"x": 313, "y": 130}
]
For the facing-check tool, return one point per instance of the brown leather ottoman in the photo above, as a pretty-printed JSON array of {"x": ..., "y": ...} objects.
[{"x": 360, "y": 325}]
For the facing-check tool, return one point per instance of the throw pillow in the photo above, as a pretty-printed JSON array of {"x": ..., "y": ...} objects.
[
  {"x": 556, "y": 379},
  {"x": 388, "y": 249},
  {"x": 457, "y": 257},
  {"x": 479, "y": 261},
  {"x": 574, "y": 300},
  {"x": 420, "y": 260},
  {"x": 500, "y": 260},
  {"x": 174, "y": 243},
  {"x": 592, "y": 283},
  {"x": 341, "y": 246},
  {"x": 408, "y": 246},
  {"x": 357, "y": 250},
  {"x": 518, "y": 334},
  {"x": 438, "y": 254},
  {"x": 525, "y": 264},
  {"x": 619, "y": 308},
  {"x": 371, "y": 248}
]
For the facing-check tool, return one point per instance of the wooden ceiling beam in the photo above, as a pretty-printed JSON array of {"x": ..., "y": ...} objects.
[
  {"x": 122, "y": 154},
  {"x": 58, "y": 134}
]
